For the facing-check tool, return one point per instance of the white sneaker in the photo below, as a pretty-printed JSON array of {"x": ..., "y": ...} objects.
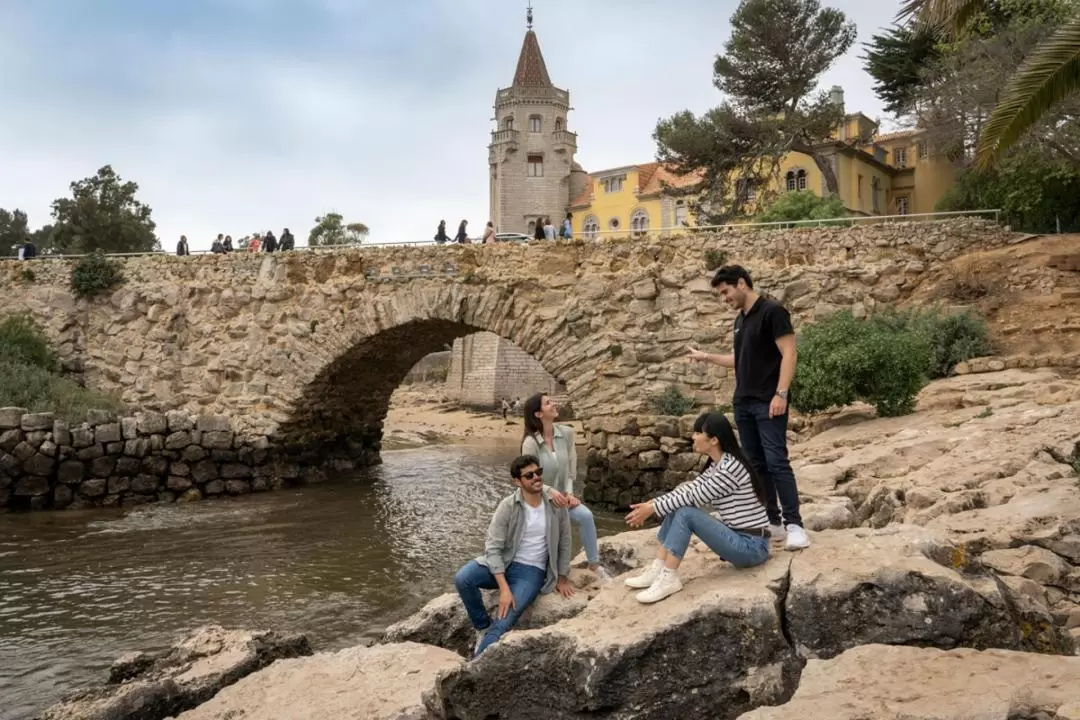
[
  {"x": 646, "y": 578},
  {"x": 603, "y": 577},
  {"x": 796, "y": 538},
  {"x": 777, "y": 533},
  {"x": 666, "y": 583},
  {"x": 480, "y": 634}
]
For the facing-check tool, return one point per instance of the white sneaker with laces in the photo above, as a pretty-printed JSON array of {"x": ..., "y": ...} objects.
[
  {"x": 646, "y": 578},
  {"x": 666, "y": 583},
  {"x": 777, "y": 533},
  {"x": 603, "y": 577},
  {"x": 796, "y": 538}
]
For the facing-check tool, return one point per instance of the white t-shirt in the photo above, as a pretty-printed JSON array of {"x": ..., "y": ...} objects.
[{"x": 533, "y": 549}]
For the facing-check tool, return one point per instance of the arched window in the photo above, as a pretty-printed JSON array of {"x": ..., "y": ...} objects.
[
  {"x": 508, "y": 123},
  {"x": 591, "y": 227},
  {"x": 795, "y": 180},
  {"x": 639, "y": 222},
  {"x": 535, "y": 123},
  {"x": 559, "y": 123}
]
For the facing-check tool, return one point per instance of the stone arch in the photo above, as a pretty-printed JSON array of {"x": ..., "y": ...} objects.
[{"x": 342, "y": 400}]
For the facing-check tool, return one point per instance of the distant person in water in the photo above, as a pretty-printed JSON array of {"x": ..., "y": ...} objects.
[
  {"x": 738, "y": 531},
  {"x": 554, "y": 445},
  {"x": 526, "y": 554}
]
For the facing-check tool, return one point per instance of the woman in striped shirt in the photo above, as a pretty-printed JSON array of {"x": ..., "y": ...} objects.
[{"x": 737, "y": 497}]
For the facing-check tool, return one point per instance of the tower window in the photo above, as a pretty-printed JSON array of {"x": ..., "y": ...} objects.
[
  {"x": 559, "y": 124},
  {"x": 536, "y": 166},
  {"x": 534, "y": 123},
  {"x": 508, "y": 123}
]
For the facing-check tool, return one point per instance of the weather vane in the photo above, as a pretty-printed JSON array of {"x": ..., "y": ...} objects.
[{"x": 529, "y": 15}]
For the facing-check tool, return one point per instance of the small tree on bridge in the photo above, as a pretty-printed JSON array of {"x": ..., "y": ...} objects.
[
  {"x": 330, "y": 229},
  {"x": 102, "y": 214}
]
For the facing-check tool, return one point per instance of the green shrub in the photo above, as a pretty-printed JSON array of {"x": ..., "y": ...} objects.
[
  {"x": 715, "y": 259},
  {"x": 28, "y": 275},
  {"x": 952, "y": 337},
  {"x": 95, "y": 273},
  {"x": 39, "y": 390},
  {"x": 671, "y": 402},
  {"x": 803, "y": 205},
  {"x": 22, "y": 342},
  {"x": 615, "y": 351},
  {"x": 842, "y": 360}
]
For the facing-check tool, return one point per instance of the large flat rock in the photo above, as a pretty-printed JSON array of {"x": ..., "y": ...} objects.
[
  {"x": 144, "y": 687},
  {"x": 880, "y": 682},
  {"x": 384, "y": 682}
]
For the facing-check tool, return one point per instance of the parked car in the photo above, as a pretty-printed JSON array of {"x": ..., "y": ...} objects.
[{"x": 511, "y": 237}]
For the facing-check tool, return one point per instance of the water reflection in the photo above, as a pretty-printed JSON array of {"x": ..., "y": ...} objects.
[{"x": 337, "y": 561}]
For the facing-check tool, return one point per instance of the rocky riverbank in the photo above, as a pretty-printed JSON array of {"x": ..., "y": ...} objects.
[{"x": 943, "y": 582}]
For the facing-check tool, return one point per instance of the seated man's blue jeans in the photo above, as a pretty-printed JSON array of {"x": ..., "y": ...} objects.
[
  {"x": 583, "y": 518},
  {"x": 525, "y": 582},
  {"x": 740, "y": 550}
]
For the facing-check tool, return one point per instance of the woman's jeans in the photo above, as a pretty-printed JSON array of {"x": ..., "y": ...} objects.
[
  {"x": 525, "y": 582},
  {"x": 740, "y": 550},
  {"x": 583, "y": 518}
]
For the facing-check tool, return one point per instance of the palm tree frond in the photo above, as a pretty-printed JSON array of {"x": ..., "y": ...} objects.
[
  {"x": 1046, "y": 77},
  {"x": 947, "y": 17}
]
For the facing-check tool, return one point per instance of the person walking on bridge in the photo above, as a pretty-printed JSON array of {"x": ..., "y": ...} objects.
[{"x": 764, "y": 362}]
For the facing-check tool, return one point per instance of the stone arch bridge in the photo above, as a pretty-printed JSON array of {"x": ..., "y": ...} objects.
[{"x": 304, "y": 349}]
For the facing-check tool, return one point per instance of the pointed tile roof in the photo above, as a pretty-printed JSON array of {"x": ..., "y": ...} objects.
[{"x": 531, "y": 70}]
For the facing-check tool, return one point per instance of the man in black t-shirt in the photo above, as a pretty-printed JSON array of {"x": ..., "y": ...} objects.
[{"x": 764, "y": 362}]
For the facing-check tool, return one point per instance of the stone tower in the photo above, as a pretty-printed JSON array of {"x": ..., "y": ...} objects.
[{"x": 531, "y": 152}]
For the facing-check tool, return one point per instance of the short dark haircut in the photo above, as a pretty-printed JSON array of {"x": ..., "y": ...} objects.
[
  {"x": 520, "y": 463},
  {"x": 731, "y": 275}
]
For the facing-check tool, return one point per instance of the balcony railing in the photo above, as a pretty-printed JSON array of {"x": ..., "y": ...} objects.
[
  {"x": 564, "y": 137},
  {"x": 504, "y": 136}
]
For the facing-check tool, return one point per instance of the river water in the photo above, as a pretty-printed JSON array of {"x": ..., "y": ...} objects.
[{"x": 338, "y": 561}]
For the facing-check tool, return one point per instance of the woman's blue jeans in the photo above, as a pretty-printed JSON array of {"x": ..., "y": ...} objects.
[
  {"x": 583, "y": 518},
  {"x": 740, "y": 550}
]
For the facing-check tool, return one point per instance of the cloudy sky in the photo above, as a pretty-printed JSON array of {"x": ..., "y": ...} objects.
[{"x": 243, "y": 115}]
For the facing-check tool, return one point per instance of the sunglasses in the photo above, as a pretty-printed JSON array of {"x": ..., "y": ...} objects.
[{"x": 532, "y": 474}]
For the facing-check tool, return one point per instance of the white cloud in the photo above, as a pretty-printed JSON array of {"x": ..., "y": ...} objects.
[{"x": 382, "y": 115}]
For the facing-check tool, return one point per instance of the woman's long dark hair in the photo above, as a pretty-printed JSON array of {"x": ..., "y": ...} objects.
[
  {"x": 716, "y": 425},
  {"x": 533, "y": 424}
]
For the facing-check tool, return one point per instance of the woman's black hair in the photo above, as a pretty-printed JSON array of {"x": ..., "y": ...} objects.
[
  {"x": 533, "y": 424},
  {"x": 716, "y": 425}
]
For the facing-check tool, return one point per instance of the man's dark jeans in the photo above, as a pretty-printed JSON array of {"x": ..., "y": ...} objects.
[{"x": 764, "y": 441}]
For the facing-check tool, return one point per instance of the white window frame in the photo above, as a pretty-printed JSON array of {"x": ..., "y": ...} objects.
[
  {"x": 682, "y": 214},
  {"x": 536, "y": 123},
  {"x": 639, "y": 221},
  {"x": 900, "y": 157},
  {"x": 591, "y": 227},
  {"x": 534, "y": 166},
  {"x": 613, "y": 184}
]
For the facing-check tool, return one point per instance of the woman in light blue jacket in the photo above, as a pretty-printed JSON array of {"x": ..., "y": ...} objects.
[{"x": 554, "y": 446}]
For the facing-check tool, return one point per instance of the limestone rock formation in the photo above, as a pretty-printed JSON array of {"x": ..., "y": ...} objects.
[
  {"x": 384, "y": 682},
  {"x": 880, "y": 682},
  {"x": 144, "y": 687}
]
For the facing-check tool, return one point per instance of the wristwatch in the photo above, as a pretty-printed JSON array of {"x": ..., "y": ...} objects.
[{"x": 782, "y": 394}]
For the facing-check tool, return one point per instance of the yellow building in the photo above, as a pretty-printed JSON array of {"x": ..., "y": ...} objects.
[{"x": 890, "y": 174}]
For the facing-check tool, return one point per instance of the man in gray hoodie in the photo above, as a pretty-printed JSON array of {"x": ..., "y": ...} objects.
[{"x": 526, "y": 554}]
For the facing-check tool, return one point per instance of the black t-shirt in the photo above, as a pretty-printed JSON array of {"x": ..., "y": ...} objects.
[{"x": 757, "y": 359}]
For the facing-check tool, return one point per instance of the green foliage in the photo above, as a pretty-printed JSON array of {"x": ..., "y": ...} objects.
[
  {"x": 330, "y": 229},
  {"x": 897, "y": 60},
  {"x": 803, "y": 205},
  {"x": 95, "y": 273},
  {"x": 615, "y": 351},
  {"x": 715, "y": 259},
  {"x": 671, "y": 402},
  {"x": 952, "y": 338},
  {"x": 39, "y": 390},
  {"x": 13, "y": 231},
  {"x": 842, "y": 360},
  {"x": 102, "y": 214},
  {"x": 768, "y": 72},
  {"x": 28, "y": 275},
  {"x": 1034, "y": 190},
  {"x": 21, "y": 341}
]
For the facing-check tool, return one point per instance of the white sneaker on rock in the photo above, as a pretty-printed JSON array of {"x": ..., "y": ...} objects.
[
  {"x": 796, "y": 538},
  {"x": 479, "y": 639},
  {"x": 777, "y": 533},
  {"x": 603, "y": 577},
  {"x": 646, "y": 578},
  {"x": 666, "y": 583}
]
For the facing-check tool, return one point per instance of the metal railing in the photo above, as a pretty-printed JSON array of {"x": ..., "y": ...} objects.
[{"x": 677, "y": 230}]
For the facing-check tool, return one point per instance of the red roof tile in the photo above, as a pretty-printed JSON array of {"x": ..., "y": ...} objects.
[{"x": 531, "y": 70}]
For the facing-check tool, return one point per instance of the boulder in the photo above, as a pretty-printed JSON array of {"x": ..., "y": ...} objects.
[
  {"x": 385, "y": 682},
  {"x": 882, "y": 682},
  {"x": 186, "y": 675},
  {"x": 37, "y": 421},
  {"x": 11, "y": 417}
]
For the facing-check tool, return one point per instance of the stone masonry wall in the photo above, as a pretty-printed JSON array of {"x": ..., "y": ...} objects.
[
  {"x": 149, "y": 457},
  {"x": 485, "y": 368},
  {"x": 305, "y": 349}
]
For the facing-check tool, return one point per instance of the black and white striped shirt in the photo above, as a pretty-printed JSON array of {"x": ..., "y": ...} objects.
[{"x": 726, "y": 486}]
